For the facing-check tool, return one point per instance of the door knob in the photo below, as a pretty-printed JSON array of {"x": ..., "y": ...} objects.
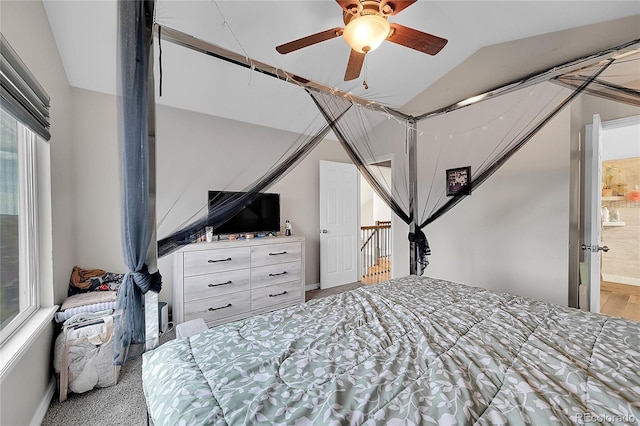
[
  {"x": 594, "y": 248},
  {"x": 323, "y": 231}
]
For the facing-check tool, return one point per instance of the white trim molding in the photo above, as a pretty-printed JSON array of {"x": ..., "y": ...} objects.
[
  {"x": 41, "y": 411},
  {"x": 310, "y": 287},
  {"x": 16, "y": 345}
]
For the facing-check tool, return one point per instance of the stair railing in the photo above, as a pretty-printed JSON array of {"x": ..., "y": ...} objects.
[{"x": 376, "y": 246}]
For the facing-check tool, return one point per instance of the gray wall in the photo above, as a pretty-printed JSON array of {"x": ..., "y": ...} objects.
[
  {"x": 24, "y": 387},
  {"x": 25, "y": 26},
  {"x": 524, "y": 210},
  {"x": 512, "y": 233},
  {"x": 97, "y": 234},
  {"x": 195, "y": 153},
  {"x": 608, "y": 110}
]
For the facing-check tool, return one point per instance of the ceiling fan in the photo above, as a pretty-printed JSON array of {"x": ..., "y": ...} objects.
[{"x": 366, "y": 27}]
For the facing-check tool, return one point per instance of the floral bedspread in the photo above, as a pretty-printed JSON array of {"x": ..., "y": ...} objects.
[{"x": 413, "y": 350}]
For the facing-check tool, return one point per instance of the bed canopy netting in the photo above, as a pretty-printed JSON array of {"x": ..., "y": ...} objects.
[
  {"x": 468, "y": 134},
  {"x": 481, "y": 132}
]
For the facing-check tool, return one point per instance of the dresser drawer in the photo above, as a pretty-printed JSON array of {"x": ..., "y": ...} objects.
[
  {"x": 275, "y": 274},
  {"x": 278, "y": 294},
  {"x": 214, "y": 285},
  {"x": 275, "y": 253},
  {"x": 215, "y": 308},
  {"x": 211, "y": 261}
]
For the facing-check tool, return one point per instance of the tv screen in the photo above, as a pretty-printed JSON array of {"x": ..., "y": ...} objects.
[{"x": 261, "y": 215}]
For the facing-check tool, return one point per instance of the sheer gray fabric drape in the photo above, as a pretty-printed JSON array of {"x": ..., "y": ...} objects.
[
  {"x": 219, "y": 214},
  {"x": 480, "y": 132},
  {"x": 135, "y": 21},
  {"x": 442, "y": 144}
]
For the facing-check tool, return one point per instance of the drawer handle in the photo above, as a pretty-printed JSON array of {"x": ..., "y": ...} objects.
[
  {"x": 279, "y": 294},
  {"x": 221, "y": 307},
  {"x": 275, "y": 275},
  {"x": 275, "y": 254},
  {"x": 216, "y": 285},
  {"x": 219, "y": 260}
]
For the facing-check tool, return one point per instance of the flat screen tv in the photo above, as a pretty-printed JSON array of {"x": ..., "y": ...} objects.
[{"x": 261, "y": 215}]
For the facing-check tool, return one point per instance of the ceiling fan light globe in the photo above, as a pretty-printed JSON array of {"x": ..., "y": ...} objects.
[{"x": 365, "y": 33}]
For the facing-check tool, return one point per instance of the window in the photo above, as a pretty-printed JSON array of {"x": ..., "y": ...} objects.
[
  {"x": 18, "y": 224},
  {"x": 24, "y": 122}
]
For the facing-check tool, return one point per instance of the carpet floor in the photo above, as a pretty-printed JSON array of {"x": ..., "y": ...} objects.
[{"x": 123, "y": 403}]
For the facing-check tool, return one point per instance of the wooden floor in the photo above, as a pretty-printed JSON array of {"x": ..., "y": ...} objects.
[
  {"x": 620, "y": 300},
  {"x": 378, "y": 273}
]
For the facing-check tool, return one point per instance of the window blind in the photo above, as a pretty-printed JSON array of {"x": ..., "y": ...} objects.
[{"x": 21, "y": 94}]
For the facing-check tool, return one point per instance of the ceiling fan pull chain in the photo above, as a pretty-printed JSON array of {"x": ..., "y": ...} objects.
[{"x": 364, "y": 81}]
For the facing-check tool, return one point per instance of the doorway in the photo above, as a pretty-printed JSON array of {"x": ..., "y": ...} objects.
[
  {"x": 375, "y": 231},
  {"x": 339, "y": 222},
  {"x": 355, "y": 237},
  {"x": 619, "y": 278}
]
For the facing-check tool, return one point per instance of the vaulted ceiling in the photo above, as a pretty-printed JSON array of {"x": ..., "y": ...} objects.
[{"x": 490, "y": 44}]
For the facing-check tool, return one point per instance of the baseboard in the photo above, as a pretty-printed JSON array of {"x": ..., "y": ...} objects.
[
  {"x": 41, "y": 411},
  {"x": 309, "y": 287},
  {"x": 620, "y": 279}
]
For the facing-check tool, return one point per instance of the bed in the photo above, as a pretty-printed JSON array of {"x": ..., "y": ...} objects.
[{"x": 412, "y": 350}]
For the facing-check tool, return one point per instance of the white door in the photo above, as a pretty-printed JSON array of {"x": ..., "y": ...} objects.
[
  {"x": 339, "y": 224},
  {"x": 592, "y": 233}
]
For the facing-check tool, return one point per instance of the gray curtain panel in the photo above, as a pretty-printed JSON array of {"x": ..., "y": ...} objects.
[{"x": 135, "y": 37}]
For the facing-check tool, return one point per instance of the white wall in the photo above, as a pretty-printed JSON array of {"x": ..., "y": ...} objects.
[
  {"x": 366, "y": 203},
  {"x": 372, "y": 208},
  {"x": 621, "y": 142},
  {"x": 24, "y": 24}
]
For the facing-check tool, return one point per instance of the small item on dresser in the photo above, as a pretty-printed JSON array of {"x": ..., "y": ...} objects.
[
  {"x": 287, "y": 228},
  {"x": 233, "y": 237},
  {"x": 209, "y": 233}
]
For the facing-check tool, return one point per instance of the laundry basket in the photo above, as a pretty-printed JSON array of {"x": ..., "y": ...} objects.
[{"x": 83, "y": 354}]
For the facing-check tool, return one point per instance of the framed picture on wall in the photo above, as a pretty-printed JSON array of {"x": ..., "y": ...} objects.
[{"x": 459, "y": 181}]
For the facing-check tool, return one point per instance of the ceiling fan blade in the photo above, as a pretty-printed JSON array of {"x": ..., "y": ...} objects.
[
  {"x": 309, "y": 40},
  {"x": 417, "y": 40},
  {"x": 354, "y": 66},
  {"x": 398, "y": 5}
]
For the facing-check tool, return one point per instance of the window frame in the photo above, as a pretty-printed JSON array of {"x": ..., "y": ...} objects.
[{"x": 28, "y": 253}]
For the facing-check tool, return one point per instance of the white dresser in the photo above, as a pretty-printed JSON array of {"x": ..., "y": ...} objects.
[{"x": 224, "y": 281}]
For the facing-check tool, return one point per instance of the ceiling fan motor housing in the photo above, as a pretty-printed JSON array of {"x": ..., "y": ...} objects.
[{"x": 367, "y": 7}]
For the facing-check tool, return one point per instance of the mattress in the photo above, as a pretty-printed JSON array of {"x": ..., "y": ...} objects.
[{"x": 412, "y": 350}]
